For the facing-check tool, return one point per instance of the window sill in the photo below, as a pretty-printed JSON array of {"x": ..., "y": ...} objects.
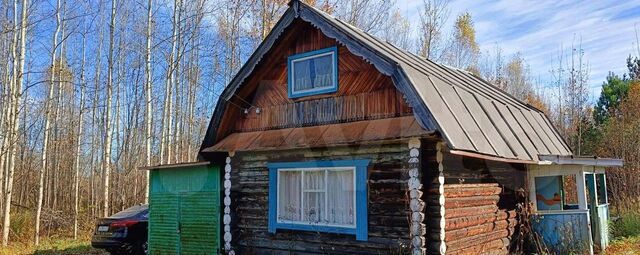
[
  {"x": 553, "y": 212},
  {"x": 328, "y": 90},
  {"x": 320, "y": 228}
]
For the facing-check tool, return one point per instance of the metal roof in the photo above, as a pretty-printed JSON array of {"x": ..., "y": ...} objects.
[
  {"x": 322, "y": 136},
  {"x": 175, "y": 165},
  {"x": 470, "y": 113}
]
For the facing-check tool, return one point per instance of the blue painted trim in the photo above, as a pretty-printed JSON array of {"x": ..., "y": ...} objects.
[
  {"x": 273, "y": 196},
  {"x": 361, "y": 230},
  {"x": 327, "y": 90},
  {"x": 362, "y": 223}
]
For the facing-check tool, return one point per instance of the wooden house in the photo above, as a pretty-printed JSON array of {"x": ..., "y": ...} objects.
[{"x": 333, "y": 141}]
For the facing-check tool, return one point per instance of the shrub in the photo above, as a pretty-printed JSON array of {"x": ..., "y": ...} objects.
[{"x": 627, "y": 225}]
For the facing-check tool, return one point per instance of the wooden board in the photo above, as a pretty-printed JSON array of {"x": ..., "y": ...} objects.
[{"x": 363, "y": 92}]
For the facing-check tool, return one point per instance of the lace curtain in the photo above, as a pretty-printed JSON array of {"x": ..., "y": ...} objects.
[
  {"x": 313, "y": 73},
  {"x": 318, "y": 196}
]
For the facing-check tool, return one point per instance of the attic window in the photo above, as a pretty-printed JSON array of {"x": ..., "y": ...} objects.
[{"x": 312, "y": 73}]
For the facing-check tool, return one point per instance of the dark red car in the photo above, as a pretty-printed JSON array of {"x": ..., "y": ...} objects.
[{"x": 124, "y": 232}]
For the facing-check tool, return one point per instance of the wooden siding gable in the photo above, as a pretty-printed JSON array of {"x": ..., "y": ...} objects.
[{"x": 416, "y": 79}]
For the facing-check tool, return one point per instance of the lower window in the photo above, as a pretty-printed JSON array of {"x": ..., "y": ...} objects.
[{"x": 322, "y": 196}]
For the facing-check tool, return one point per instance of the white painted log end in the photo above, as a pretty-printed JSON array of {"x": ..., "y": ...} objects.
[{"x": 414, "y": 143}]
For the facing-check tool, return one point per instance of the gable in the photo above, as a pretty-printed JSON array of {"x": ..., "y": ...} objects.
[{"x": 263, "y": 102}]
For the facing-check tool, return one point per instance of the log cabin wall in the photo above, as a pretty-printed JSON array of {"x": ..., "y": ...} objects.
[
  {"x": 480, "y": 201},
  {"x": 388, "y": 205},
  {"x": 363, "y": 92}
]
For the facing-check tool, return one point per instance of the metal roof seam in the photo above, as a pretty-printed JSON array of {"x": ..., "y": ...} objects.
[
  {"x": 456, "y": 118},
  {"x": 532, "y": 156},
  {"x": 490, "y": 93},
  {"x": 493, "y": 147},
  {"x": 534, "y": 140},
  {"x": 493, "y": 122},
  {"x": 557, "y": 134},
  {"x": 544, "y": 131}
]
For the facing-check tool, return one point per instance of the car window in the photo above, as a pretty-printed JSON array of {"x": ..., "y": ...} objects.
[{"x": 131, "y": 212}]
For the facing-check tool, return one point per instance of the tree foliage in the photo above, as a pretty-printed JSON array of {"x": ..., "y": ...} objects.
[
  {"x": 464, "y": 51},
  {"x": 614, "y": 90},
  {"x": 621, "y": 139}
]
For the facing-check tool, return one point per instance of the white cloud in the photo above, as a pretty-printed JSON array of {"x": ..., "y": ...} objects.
[{"x": 538, "y": 30}]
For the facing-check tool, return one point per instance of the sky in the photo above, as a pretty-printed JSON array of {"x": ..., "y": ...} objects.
[{"x": 540, "y": 29}]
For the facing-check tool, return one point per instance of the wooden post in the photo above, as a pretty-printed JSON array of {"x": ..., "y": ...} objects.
[
  {"x": 417, "y": 227},
  {"x": 227, "y": 205}
]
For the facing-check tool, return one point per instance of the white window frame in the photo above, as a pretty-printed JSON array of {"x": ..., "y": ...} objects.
[{"x": 326, "y": 197}]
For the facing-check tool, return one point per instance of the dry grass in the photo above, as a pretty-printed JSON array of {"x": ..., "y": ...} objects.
[
  {"x": 50, "y": 247},
  {"x": 624, "y": 246}
]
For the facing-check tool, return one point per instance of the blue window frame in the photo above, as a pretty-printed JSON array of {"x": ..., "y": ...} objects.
[
  {"x": 357, "y": 227},
  {"x": 312, "y": 73}
]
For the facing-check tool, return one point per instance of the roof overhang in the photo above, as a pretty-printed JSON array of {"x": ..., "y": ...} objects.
[
  {"x": 342, "y": 134},
  {"x": 472, "y": 154},
  {"x": 580, "y": 160},
  {"x": 175, "y": 166}
]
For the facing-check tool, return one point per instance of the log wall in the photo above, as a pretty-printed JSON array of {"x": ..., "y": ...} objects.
[
  {"x": 475, "y": 224},
  {"x": 480, "y": 200},
  {"x": 388, "y": 205}
]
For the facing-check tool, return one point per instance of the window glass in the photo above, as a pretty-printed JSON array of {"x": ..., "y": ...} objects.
[
  {"x": 569, "y": 192},
  {"x": 548, "y": 193},
  {"x": 313, "y": 73},
  {"x": 317, "y": 196},
  {"x": 341, "y": 195},
  {"x": 601, "y": 189},
  {"x": 289, "y": 199}
]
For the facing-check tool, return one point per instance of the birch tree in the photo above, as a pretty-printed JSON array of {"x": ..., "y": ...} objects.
[
  {"x": 76, "y": 176},
  {"x": 108, "y": 128},
  {"x": 433, "y": 16},
  {"x": 15, "y": 119},
  {"x": 464, "y": 49},
  {"x": 148, "y": 114},
  {"x": 47, "y": 123}
]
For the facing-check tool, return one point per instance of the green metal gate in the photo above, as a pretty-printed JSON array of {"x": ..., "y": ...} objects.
[{"x": 184, "y": 210}]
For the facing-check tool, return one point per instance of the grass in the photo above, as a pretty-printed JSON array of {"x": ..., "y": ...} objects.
[
  {"x": 625, "y": 231},
  {"x": 624, "y": 246},
  {"x": 51, "y": 247},
  {"x": 628, "y": 225}
]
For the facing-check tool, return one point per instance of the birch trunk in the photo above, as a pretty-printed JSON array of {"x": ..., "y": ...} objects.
[
  {"x": 17, "y": 97},
  {"x": 165, "y": 141},
  {"x": 47, "y": 125},
  {"x": 147, "y": 117},
  {"x": 107, "y": 146},
  {"x": 79, "y": 143}
]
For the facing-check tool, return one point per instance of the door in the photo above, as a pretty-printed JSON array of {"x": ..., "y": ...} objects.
[
  {"x": 198, "y": 223},
  {"x": 163, "y": 223},
  {"x": 598, "y": 209},
  {"x": 184, "y": 211}
]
